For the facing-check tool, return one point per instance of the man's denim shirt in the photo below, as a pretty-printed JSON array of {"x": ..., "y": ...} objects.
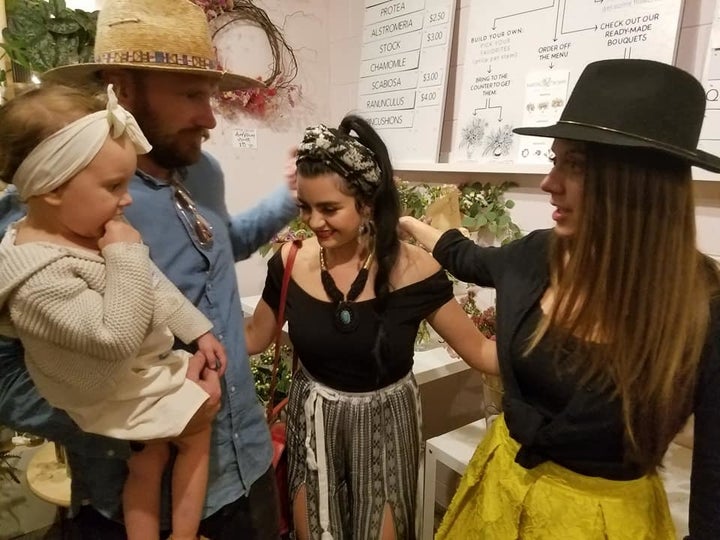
[{"x": 240, "y": 449}]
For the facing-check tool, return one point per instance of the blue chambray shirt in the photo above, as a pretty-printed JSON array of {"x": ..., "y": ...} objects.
[{"x": 240, "y": 449}]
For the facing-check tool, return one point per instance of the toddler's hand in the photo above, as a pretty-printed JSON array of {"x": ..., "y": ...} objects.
[
  {"x": 119, "y": 230},
  {"x": 214, "y": 353}
]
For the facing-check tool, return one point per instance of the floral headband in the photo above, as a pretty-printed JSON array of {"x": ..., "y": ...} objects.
[{"x": 344, "y": 155}]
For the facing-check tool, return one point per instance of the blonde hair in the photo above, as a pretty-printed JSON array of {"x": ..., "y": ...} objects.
[
  {"x": 632, "y": 281},
  {"x": 35, "y": 115}
]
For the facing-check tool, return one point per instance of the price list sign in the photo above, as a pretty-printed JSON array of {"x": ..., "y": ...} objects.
[{"x": 403, "y": 74}]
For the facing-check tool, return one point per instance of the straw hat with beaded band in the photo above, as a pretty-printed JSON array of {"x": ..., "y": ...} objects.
[{"x": 167, "y": 35}]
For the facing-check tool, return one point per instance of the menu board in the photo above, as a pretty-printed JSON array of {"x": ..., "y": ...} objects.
[
  {"x": 522, "y": 59},
  {"x": 403, "y": 74},
  {"x": 710, "y": 135}
]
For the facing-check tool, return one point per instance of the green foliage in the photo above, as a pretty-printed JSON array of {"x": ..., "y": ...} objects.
[
  {"x": 43, "y": 34},
  {"x": 3, "y": 74},
  {"x": 484, "y": 208},
  {"x": 261, "y": 368},
  {"x": 415, "y": 198},
  {"x": 295, "y": 230}
]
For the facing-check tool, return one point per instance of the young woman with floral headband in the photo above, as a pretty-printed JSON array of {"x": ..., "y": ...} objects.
[{"x": 356, "y": 298}]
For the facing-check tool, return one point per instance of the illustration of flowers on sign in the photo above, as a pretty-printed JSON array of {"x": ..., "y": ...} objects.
[
  {"x": 472, "y": 135},
  {"x": 279, "y": 90},
  {"x": 499, "y": 141}
]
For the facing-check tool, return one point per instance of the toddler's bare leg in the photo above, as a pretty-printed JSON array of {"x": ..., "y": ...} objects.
[
  {"x": 141, "y": 494},
  {"x": 189, "y": 483}
]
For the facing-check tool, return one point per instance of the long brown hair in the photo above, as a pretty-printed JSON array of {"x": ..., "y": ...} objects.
[{"x": 632, "y": 280}]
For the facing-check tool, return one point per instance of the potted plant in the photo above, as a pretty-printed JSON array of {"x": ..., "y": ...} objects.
[{"x": 43, "y": 34}]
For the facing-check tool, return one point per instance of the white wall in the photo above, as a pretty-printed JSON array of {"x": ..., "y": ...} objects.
[
  {"x": 327, "y": 38},
  {"x": 252, "y": 173},
  {"x": 86, "y": 5}
]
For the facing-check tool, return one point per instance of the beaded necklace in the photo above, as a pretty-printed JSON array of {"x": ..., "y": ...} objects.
[{"x": 346, "y": 316}]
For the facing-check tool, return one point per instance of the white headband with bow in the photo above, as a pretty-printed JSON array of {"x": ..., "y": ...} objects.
[{"x": 66, "y": 152}]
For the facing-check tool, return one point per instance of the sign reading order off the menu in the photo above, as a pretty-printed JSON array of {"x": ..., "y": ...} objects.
[{"x": 403, "y": 74}]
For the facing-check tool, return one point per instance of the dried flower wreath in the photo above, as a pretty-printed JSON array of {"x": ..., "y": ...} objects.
[{"x": 279, "y": 87}]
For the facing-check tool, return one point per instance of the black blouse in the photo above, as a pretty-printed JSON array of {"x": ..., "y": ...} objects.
[
  {"x": 549, "y": 383},
  {"x": 574, "y": 425},
  {"x": 346, "y": 361}
]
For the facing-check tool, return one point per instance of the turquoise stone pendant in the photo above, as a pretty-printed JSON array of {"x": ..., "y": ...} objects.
[{"x": 346, "y": 317}]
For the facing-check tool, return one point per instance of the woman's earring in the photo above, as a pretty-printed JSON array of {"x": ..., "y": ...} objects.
[{"x": 366, "y": 227}]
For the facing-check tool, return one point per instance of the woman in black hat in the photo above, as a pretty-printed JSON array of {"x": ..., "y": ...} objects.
[{"x": 608, "y": 325}]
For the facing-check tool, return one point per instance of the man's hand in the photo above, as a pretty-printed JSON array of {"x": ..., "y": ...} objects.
[
  {"x": 290, "y": 171},
  {"x": 213, "y": 352},
  {"x": 119, "y": 230}
]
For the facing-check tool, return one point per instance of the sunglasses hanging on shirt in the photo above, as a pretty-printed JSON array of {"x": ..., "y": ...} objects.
[{"x": 188, "y": 210}]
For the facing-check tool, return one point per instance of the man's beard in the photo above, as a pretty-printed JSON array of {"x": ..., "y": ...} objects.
[{"x": 167, "y": 149}]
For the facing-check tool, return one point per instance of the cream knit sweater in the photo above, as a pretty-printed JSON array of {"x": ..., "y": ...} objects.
[{"x": 85, "y": 318}]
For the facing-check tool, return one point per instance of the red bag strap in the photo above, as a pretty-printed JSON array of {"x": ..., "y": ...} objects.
[{"x": 273, "y": 411}]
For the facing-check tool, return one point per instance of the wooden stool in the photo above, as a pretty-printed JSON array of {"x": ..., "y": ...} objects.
[{"x": 49, "y": 479}]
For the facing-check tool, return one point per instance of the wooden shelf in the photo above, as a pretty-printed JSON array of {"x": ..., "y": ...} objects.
[
  {"x": 472, "y": 167},
  {"x": 461, "y": 170}
]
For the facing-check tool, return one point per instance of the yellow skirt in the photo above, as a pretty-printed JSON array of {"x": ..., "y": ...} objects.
[{"x": 500, "y": 500}]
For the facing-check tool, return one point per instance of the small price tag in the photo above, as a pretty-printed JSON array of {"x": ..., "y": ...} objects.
[{"x": 244, "y": 138}]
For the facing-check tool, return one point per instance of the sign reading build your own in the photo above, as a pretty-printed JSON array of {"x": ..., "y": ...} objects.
[
  {"x": 522, "y": 59},
  {"x": 403, "y": 73}
]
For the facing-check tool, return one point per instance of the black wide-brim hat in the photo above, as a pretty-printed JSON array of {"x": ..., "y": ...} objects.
[{"x": 637, "y": 103}]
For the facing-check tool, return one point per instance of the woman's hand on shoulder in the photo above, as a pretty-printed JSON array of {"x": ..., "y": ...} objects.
[
  {"x": 414, "y": 264},
  {"x": 426, "y": 234}
]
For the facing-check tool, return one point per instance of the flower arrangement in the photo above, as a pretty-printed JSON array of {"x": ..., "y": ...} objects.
[
  {"x": 472, "y": 135},
  {"x": 278, "y": 89},
  {"x": 295, "y": 230},
  {"x": 484, "y": 319},
  {"x": 261, "y": 101},
  {"x": 483, "y": 207}
]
